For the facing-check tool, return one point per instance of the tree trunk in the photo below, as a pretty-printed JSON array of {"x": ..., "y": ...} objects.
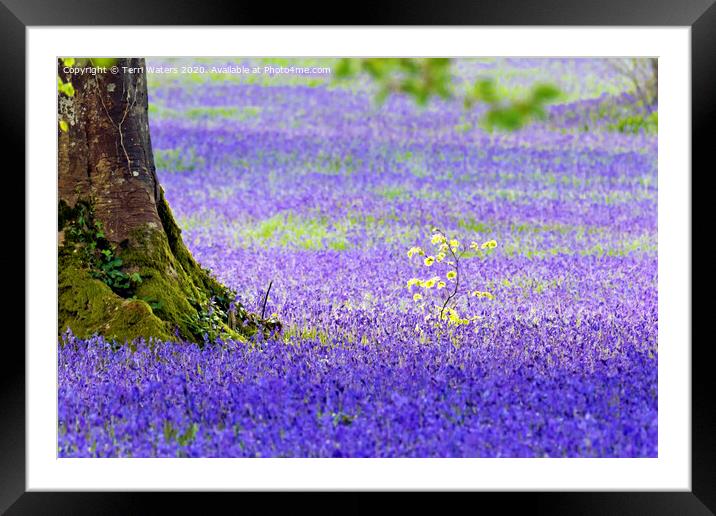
[
  {"x": 655, "y": 78},
  {"x": 110, "y": 202}
]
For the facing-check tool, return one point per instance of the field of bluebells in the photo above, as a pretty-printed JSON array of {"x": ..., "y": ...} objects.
[{"x": 306, "y": 182}]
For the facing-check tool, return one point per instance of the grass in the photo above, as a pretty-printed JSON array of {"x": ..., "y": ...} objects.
[
  {"x": 176, "y": 160},
  {"x": 287, "y": 229}
]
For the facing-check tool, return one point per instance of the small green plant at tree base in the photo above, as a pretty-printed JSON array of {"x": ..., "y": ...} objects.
[
  {"x": 85, "y": 236},
  {"x": 439, "y": 295},
  {"x": 208, "y": 321}
]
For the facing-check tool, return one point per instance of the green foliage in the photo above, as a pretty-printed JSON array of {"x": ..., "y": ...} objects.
[
  {"x": 424, "y": 78},
  {"x": 637, "y": 123},
  {"x": 65, "y": 88},
  {"x": 189, "y": 434},
  {"x": 421, "y": 78},
  {"x": 511, "y": 114},
  {"x": 629, "y": 118},
  {"x": 85, "y": 236},
  {"x": 209, "y": 321},
  {"x": 186, "y": 437},
  {"x": 103, "y": 61}
]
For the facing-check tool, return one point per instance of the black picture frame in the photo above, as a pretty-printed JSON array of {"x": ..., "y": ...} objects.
[{"x": 17, "y": 15}]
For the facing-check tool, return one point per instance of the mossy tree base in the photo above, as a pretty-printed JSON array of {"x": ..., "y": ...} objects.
[
  {"x": 176, "y": 299},
  {"x": 87, "y": 307}
]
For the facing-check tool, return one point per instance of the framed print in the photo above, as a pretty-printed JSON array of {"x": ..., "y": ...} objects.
[{"x": 360, "y": 258}]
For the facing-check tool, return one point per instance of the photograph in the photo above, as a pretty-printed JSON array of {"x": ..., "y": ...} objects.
[{"x": 357, "y": 257}]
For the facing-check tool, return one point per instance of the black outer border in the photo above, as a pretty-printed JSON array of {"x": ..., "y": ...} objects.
[{"x": 16, "y": 15}]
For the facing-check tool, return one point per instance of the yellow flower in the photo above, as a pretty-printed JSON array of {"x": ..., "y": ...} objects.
[
  {"x": 429, "y": 261},
  {"x": 455, "y": 319},
  {"x": 451, "y": 274},
  {"x": 449, "y": 314},
  {"x": 478, "y": 293},
  {"x": 437, "y": 239},
  {"x": 490, "y": 244},
  {"x": 413, "y": 281},
  {"x": 429, "y": 283},
  {"x": 417, "y": 297},
  {"x": 415, "y": 250},
  {"x": 454, "y": 243},
  {"x": 474, "y": 245},
  {"x": 440, "y": 256},
  {"x": 441, "y": 284}
]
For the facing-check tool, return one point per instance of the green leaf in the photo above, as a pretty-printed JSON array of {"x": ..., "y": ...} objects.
[
  {"x": 508, "y": 118},
  {"x": 545, "y": 93},
  {"x": 485, "y": 91},
  {"x": 345, "y": 68},
  {"x": 68, "y": 61},
  {"x": 188, "y": 435},
  {"x": 64, "y": 126},
  {"x": 104, "y": 61},
  {"x": 65, "y": 87}
]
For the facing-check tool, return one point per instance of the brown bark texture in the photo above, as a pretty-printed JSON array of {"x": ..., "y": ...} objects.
[{"x": 106, "y": 154}]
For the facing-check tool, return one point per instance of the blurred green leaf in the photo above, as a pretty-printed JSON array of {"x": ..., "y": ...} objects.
[
  {"x": 65, "y": 87},
  {"x": 422, "y": 78},
  {"x": 485, "y": 91},
  {"x": 345, "y": 68},
  {"x": 104, "y": 61},
  {"x": 545, "y": 93}
]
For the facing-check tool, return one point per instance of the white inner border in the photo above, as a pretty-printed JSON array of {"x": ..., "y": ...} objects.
[{"x": 671, "y": 470}]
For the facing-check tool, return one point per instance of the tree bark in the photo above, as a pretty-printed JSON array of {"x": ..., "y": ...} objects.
[
  {"x": 105, "y": 161},
  {"x": 106, "y": 155}
]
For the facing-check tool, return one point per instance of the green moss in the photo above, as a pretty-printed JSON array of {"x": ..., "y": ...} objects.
[{"x": 87, "y": 306}]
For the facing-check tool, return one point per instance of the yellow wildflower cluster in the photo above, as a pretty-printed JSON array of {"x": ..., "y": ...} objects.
[
  {"x": 437, "y": 239},
  {"x": 490, "y": 244},
  {"x": 415, "y": 250},
  {"x": 452, "y": 317},
  {"x": 447, "y": 251},
  {"x": 428, "y": 283},
  {"x": 480, "y": 294}
]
